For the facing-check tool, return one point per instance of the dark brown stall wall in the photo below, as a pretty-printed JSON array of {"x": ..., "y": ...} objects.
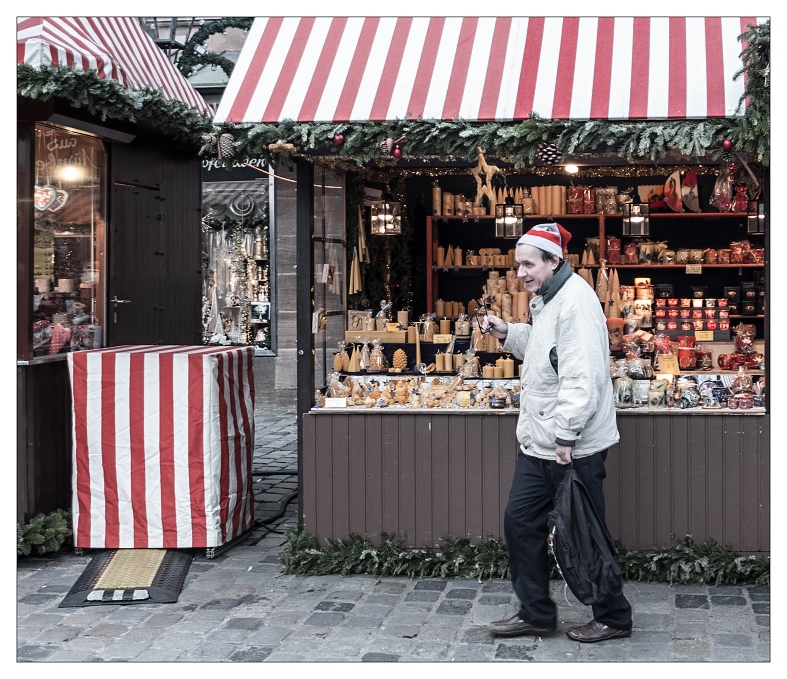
[
  {"x": 43, "y": 460},
  {"x": 425, "y": 476}
]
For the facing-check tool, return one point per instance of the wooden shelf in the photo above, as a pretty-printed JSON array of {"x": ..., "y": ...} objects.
[
  {"x": 596, "y": 215},
  {"x": 683, "y": 266}
]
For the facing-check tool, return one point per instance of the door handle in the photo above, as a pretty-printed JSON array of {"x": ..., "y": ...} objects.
[{"x": 117, "y": 301}]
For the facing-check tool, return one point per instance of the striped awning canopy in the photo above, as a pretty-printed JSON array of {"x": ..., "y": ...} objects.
[
  {"x": 322, "y": 69},
  {"x": 115, "y": 47}
]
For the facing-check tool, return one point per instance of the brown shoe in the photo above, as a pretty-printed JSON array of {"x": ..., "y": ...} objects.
[
  {"x": 514, "y": 627},
  {"x": 596, "y": 631}
]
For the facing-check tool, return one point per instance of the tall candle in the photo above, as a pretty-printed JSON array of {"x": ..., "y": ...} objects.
[
  {"x": 440, "y": 256},
  {"x": 412, "y": 334},
  {"x": 508, "y": 367},
  {"x": 437, "y": 200},
  {"x": 417, "y": 346},
  {"x": 445, "y": 326},
  {"x": 459, "y": 360},
  {"x": 439, "y": 306},
  {"x": 403, "y": 317}
]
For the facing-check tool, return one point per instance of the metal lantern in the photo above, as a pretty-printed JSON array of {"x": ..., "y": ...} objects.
[
  {"x": 508, "y": 219},
  {"x": 386, "y": 218},
  {"x": 636, "y": 219},
  {"x": 755, "y": 221}
]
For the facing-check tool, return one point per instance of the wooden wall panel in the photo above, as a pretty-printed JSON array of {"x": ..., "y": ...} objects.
[
  {"x": 426, "y": 476},
  {"x": 423, "y": 481},
  {"x": 407, "y": 491}
]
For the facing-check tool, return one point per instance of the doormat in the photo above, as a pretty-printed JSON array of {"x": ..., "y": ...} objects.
[{"x": 130, "y": 576}]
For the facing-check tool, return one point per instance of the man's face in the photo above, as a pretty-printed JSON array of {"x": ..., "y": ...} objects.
[{"x": 533, "y": 270}]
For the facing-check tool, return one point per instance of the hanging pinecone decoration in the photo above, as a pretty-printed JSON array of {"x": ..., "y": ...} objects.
[
  {"x": 226, "y": 146},
  {"x": 222, "y": 145},
  {"x": 388, "y": 145},
  {"x": 548, "y": 154}
]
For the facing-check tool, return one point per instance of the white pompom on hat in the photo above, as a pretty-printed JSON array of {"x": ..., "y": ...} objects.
[{"x": 550, "y": 237}]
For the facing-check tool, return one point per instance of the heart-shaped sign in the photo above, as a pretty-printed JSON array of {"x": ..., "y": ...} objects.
[
  {"x": 44, "y": 196},
  {"x": 60, "y": 200}
]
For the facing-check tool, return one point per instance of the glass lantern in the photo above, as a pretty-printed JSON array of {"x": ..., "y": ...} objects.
[
  {"x": 636, "y": 219},
  {"x": 508, "y": 220},
  {"x": 386, "y": 218},
  {"x": 755, "y": 222}
]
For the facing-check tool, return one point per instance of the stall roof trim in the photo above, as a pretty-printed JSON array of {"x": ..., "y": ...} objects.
[
  {"x": 115, "y": 47},
  {"x": 348, "y": 69}
]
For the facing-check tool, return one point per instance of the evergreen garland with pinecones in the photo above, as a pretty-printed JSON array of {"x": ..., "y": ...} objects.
[{"x": 108, "y": 99}]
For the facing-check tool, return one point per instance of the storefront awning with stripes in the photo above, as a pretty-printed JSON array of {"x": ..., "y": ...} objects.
[
  {"x": 115, "y": 47},
  {"x": 340, "y": 69}
]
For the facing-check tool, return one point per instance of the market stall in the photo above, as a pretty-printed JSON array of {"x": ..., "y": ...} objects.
[
  {"x": 108, "y": 196},
  {"x": 467, "y": 127}
]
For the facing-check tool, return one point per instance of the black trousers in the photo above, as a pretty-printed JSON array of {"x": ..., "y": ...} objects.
[{"x": 529, "y": 503}]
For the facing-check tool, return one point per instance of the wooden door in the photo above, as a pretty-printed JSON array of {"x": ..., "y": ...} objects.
[{"x": 154, "y": 265}]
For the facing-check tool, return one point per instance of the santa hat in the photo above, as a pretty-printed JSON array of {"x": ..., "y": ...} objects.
[{"x": 550, "y": 237}]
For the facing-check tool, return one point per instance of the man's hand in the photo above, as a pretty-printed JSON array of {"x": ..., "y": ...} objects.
[
  {"x": 495, "y": 326},
  {"x": 563, "y": 454}
]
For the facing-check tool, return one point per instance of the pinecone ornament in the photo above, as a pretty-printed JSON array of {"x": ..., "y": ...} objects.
[
  {"x": 338, "y": 363},
  {"x": 472, "y": 307},
  {"x": 226, "y": 146},
  {"x": 346, "y": 362},
  {"x": 222, "y": 144},
  {"x": 400, "y": 359},
  {"x": 547, "y": 153}
]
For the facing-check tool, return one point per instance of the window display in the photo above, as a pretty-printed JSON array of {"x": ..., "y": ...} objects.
[
  {"x": 68, "y": 255},
  {"x": 236, "y": 264}
]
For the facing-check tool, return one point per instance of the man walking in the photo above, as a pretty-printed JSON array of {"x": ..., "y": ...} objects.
[{"x": 567, "y": 413}]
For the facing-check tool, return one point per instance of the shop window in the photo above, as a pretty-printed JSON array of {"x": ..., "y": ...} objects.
[
  {"x": 68, "y": 254},
  {"x": 237, "y": 281}
]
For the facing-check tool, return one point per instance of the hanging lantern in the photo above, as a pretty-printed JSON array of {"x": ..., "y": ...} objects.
[
  {"x": 509, "y": 218},
  {"x": 636, "y": 219},
  {"x": 755, "y": 221},
  {"x": 386, "y": 218}
]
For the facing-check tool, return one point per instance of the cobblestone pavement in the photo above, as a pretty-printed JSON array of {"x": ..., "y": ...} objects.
[{"x": 237, "y": 607}]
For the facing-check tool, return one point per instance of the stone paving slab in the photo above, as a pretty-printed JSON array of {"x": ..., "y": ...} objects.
[{"x": 239, "y": 608}]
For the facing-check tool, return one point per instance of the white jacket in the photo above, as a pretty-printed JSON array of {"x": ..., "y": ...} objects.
[{"x": 578, "y": 404}]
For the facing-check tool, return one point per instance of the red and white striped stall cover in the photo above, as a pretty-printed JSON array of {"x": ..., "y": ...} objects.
[
  {"x": 485, "y": 68},
  {"x": 115, "y": 47},
  {"x": 163, "y": 440}
]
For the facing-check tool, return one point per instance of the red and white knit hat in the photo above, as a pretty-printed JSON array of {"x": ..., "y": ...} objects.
[{"x": 550, "y": 237}]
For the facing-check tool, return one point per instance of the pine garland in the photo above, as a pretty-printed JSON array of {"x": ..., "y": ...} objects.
[
  {"x": 107, "y": 98},
  {"x": 191, "y": 56},
  {"x": 44, "y": 533},
  {"x": 686, "y": 562},
  {"x": 517, "y": 142}
]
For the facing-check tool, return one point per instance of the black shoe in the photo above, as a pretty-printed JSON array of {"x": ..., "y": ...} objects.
[
  {"x": 514, "y": 627},
  {"x": 596, "y": 631}
]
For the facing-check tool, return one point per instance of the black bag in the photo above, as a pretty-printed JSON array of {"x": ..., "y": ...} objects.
[{"x": 583, "y": 549}]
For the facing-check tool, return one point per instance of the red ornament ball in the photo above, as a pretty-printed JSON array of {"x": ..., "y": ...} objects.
[
  {"x": 338, "y": 139},
  {"x": 727, "y": 145},
  {"x": 397, "y": 152}
]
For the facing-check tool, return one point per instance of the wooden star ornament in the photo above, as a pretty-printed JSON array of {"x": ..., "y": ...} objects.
[{"x": 483, "y": 186}]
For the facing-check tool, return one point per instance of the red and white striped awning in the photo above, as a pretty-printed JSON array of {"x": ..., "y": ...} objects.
[
  {"x": 485, "y": 68},
  {"x": 115, "y": 47}
]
